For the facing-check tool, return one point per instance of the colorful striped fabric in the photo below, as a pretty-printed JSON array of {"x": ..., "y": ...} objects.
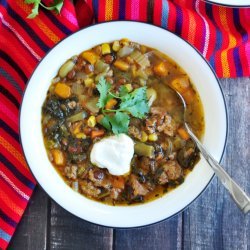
[
  {"x": 23, "y": 42},
  {"x": 221, "y": 34}
]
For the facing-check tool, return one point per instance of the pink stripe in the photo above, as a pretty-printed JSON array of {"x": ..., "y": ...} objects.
[
  {"x": 20, "y": 38},
  {"x": 5, "y": 111},
  {"x": 69, "y": 16},
  {"x": 247, "y": 49},
  {"x": 25, "y": 196},
  {"x": 135, "y": 9}
]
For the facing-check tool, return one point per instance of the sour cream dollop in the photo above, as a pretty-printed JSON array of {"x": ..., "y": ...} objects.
[{"x": 114, "y": 153}]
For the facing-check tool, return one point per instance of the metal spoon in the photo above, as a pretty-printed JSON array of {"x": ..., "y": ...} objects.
[{"x": 238, "y": 195}]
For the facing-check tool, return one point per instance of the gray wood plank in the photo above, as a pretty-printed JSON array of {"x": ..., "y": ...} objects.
[
  {"x": 69, "y": 232},
  {"x": 31, "y": 233},
  {"x": 164, "y": 235},
  {"x": 214, "y": 221}
]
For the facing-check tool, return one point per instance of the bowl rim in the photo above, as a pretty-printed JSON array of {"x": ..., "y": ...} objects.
[
  {"x": 221, "y": 92},
  {"x": 230, "y": 5}
]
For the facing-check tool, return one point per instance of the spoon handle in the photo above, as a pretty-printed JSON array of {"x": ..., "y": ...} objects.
[{"x": 238, "y": 195}]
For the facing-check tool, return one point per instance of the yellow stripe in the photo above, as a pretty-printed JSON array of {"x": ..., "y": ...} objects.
[
  {"x": 43, "y": 27},
  {"x": 232, "y": 43},
  {"x": 13, "y": 151},
  {"x": 9, "y": 203},
  {"x": 109, "y": 10},
  {"x": 192, "y": 29}
]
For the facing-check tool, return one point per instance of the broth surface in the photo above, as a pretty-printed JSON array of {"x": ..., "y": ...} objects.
[{"x": 72, "y": 121}]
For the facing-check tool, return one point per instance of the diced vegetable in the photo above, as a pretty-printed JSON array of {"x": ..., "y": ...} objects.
[
  {"x": 77, "y": 117},
  {"x": 77, "y": 88},
  {"x": 183, "y": 133},
  {"x": 188, "y": 96},
  {"x": 111, "y": 103},
  {"x": 116, "y": 46},
  {"x": 58, "y": 157},
  {"x": 124, "y": 41},
  {"x": 141, "y": 59},
  {"x": 121, "y": 65},
  {"x": 75, "y": 186},
  {"x": 105, "y": 48},
  {"x": 62, "y": 90},
  {"x": 144, "y": 136},
  {"x": 151, "y": 95},
  {"x": 143, "y": 149},
  {"x": 90, "y": 56},
  {"x": 125, "y": 51},
  {"x": 66, "y": 68},
  {"x": 91, "y": 104},
  {"x": 118, "y": 182},
  {"x": 97, "y": 133},
  {"x": 180, "y": 84},
  {"x": 101, "y": 66},
  {"x": 81, "y": 135},
  {"x": 89, "y": 82},
  {"x": 129, "y": 87},
  {"x": 91, "y": 121},
  {"x": 152, "y": 137},
  {"x": 161, "y": 69}
]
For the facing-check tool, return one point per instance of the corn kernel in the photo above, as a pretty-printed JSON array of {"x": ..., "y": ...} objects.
[
  {"x": 105, "y": 48},
  {"x": 91, "y": 121},
  {"x": 58, "y": 157},
  {"x": 111, "y": 103},
  {"x": 116, "y": 46},
  {"x": 89, "y": 82},
  {"x": 121, "y": 65},
  {"x": 90, "y": 56},
  {"x": 124, "y": 41},
  {"x": 144, "y": 137},
  {"x": 80, "y": 136},
  {"x": 153, "y": 137},
  {"x": 129, "y": 87}
]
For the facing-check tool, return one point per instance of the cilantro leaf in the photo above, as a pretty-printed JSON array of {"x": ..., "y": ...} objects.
[
  {"x": 135, "y": 103},
  {"x": 123, "y": 91},
  {"x": 118, "y": 122},
  {"x": 34, "y": 11},
  {"x": 103, "y": 88}
]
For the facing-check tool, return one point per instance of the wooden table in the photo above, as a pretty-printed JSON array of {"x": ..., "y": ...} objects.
[{"x": 211, "y": 222}]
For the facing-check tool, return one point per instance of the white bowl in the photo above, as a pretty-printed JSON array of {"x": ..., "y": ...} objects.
[
  {"x": 232, "y": 3},
  {"x": 201, "y": 75}
]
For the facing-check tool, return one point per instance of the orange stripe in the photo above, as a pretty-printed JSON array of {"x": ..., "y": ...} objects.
[
  {"x": 192, "y": 28},
  {"x": 10, "y": 204},
  {"x": 109, "y": 10},
  {"x": 44, "y": 28},
  {"x": 232, "y": 43},
  {"x": 13, "y": 151}
]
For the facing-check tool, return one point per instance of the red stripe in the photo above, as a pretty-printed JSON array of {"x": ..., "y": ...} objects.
[
  {"x": 6, "y": 227},
  {"x": 143, "y": 10},
  {"x": 11, "y": 71},
  {"x": 128, "y": 10},
  {"x": 101, "y": 11},
  {"x": 157, "y": 14},
  {"x": 172, "y": 17},
  {"x": 115, "y": 11},
  {"x": 9, "y": 105},
  {"x": 186, "y": 28},
  {"x": 10, "y": 88},
  {"x": 3, "y": 244}
]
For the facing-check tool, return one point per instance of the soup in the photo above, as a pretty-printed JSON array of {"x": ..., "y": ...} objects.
[{"x": 113, "y": 125}]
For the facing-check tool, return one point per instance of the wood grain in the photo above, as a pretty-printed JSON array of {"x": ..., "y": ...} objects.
[
  {"x": 212, "y": 222},
  {"x": 31, "y": 232}
]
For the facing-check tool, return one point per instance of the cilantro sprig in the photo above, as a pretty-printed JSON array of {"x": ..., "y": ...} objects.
[
  {"x": 56, "y": 6},
  {"x": 134, "y": 104}
]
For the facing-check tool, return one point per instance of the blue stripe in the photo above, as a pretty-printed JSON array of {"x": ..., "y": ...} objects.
[
  {"x": 218, "y": 40},
  {"x": 4, "y": 235},
  {"x": 122, "y": 7},
  {"x": 179, "y": 21},
  {"x": 7, "y": 219},
  {"x": 165, "y": 13},
  {"x": 16, "y": 172},
  {"x": 13, "y": 64},
  {"x": 95, "y": 7},
  {"x": 9, "y": 130},
  {"x": 28, "y": 29},
  {"x": 237, "y": 62},
  {"x": 9, "y": 78},
  {"x": 4, "y": 3},
  {"x": 238, "y": 26}
]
